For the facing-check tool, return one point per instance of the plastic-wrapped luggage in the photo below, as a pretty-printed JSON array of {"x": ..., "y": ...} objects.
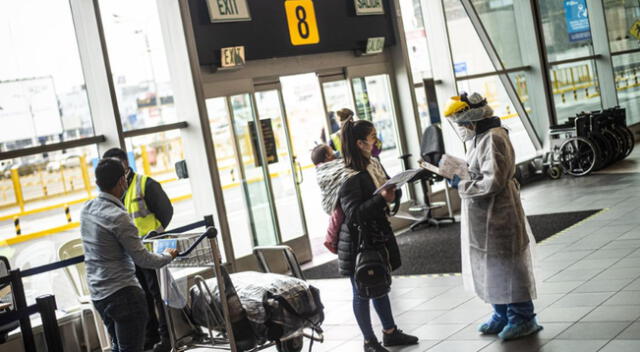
[{"x": 275, "y": 305}]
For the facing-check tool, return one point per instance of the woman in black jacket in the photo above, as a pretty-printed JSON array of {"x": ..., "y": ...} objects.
[{"x": 361, "y": 206}]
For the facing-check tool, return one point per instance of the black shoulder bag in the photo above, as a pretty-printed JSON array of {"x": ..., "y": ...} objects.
[{"x": 372, "y": 272}]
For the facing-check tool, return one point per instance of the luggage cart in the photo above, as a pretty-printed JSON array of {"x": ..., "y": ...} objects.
[{"x": 202, "y": 251}]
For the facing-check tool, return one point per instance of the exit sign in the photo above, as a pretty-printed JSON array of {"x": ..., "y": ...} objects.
[
  {"x": 228, "y": 11},
  {"x": 232, "y": 57}
]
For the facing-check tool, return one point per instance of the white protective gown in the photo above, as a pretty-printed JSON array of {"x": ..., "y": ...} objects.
[{"x": 496, "y": 241}]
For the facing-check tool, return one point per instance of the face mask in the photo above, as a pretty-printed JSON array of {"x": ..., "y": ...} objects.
[
  {"x": 377, "y": 148},
  {"x": 465, "y": 133}
]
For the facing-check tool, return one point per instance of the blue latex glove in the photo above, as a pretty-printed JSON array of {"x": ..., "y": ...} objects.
[{"x": 454, "y": 181}]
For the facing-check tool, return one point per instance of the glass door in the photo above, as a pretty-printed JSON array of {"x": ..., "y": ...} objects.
[
  {"x": 284, "y": 171},
  {"x": 374, "y": 102}
]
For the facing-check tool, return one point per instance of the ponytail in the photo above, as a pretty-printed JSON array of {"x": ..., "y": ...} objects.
[{"x": 350, "y": 133}]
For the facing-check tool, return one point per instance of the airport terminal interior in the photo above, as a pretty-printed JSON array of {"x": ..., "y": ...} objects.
[{"x": 181, "y": 87}]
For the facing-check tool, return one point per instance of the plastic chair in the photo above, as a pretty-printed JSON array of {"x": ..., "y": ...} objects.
[{"x": 77, "y": 276}]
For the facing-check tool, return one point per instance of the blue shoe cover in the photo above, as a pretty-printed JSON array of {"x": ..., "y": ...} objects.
[
  {"x": 516, "y": 331},
  {"x": 492, "y": 327}
]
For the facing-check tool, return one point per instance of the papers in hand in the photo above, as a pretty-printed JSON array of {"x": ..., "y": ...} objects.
[
  {"x": 448, "y": 167},
  {"x": 399, "y": 180}
]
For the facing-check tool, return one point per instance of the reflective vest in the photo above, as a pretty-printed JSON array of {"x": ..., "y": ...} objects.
[
  {"x": 337, "y": 143},
  {"x": 134, "y": 202}
]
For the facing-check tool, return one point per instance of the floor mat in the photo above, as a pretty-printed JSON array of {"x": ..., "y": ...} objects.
[{"x": 436, "y": 251}]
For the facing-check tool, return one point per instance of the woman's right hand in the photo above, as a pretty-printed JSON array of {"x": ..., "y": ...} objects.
[{"x": 389, "y": 194}]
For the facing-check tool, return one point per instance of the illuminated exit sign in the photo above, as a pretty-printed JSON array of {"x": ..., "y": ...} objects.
[{"x": 228, "y": 11}]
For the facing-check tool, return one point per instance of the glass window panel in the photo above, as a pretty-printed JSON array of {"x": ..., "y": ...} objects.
[
  {"x": 493, "y": 90},
  {"x": 423, "y": 108},
  {"x": 47, "y": 182},
  {"x": 627, "y": 75},
  {"x": 155, "y": 155},
  {"x": 575, "y": 88},
  {"x": 566, "y": 29},
  {"x": 42, "y": 89},
  {"x": 138, "y": 63},
  {"x": 416, "y": 38},
  {"x": 469, "y": 56},
  {"x": 374, "y": 102},
  {"x": 499, "y": 20},
  {"x": 621, "y": 16},
  {"x": 230, "y": 177}
]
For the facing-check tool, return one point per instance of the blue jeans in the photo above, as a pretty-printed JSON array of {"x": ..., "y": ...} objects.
[
  {"x": 362, "y": 312},
  {"x": 125, "y": 315},
  {"x": 513, "y": 313}
]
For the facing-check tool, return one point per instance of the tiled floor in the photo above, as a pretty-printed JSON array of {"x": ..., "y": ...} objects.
[{"x": 588, "y": 282}]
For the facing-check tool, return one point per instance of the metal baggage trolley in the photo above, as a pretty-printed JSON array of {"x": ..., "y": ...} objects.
[{"x": 200, "y": 250}]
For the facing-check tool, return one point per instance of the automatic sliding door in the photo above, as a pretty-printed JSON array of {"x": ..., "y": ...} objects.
[{"x": 281, "y": 166}]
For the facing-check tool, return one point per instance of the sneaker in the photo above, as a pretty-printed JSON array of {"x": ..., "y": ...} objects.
[
  {"x": 374, "y": 346},
  {"x": 516, "y": 331},
  {"x": 492, "y": 327},
  {"x": 398, "y": 338}
]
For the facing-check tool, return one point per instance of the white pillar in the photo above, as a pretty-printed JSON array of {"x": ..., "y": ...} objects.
[{"x": 604, "y": 65}]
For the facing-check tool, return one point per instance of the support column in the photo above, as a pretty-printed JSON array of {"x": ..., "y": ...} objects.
[
  {"x": 442, "y": 66},
  {"x": 604, "y": 64},
  {"x": 184, "y": 70},
  {"x": 97, "y": 73},
  {"x": 405, "y": 96}
]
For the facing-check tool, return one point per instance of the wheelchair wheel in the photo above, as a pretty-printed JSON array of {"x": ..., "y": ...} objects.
[
  {"x": 292, "y": 345},
  {"x": 605, "y": 149},
  {"x": 554, "y": 172},
  {"x": 619, "y": 145},
  {"x": 578, "y": 156},
  {"x": 630, "y": 139}
]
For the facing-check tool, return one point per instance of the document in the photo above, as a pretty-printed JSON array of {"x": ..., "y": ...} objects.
[
  {"x": 448, "y": 167},
  {"x": 400, "y": 179}
]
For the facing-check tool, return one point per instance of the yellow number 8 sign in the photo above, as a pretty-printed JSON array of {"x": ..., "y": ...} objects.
[{"x": 301, "y": 17}]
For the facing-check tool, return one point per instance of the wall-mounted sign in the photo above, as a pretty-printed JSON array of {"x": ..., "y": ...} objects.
[
  {"x": 577, "y": 17},
  {"x": 228, "y": 11},
  {"x": 369, "y": 7},
  {"x": 232, "y": 57},
  {"x": 375, "y": 45},
  {"x": 301, "y": 18},
  {"x": 635, "y": 29}
]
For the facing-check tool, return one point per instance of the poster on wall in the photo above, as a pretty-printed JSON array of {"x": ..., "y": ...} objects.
[
  {"x": 577, "y": 17},
  {"x": 269, "y": 137},
  {"x": 30, "y": 107}
]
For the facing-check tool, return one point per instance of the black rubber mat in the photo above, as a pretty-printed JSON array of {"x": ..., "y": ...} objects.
[{"x": 437, "y": 250}]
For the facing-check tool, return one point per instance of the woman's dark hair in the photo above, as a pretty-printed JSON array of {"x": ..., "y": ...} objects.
[
  {"x": 350, "y": 134},
  {"x": 319, "y": 154},
  {"x": 108, "y": 173}
]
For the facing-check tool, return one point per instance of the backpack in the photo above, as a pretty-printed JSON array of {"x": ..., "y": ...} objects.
[{"x": 372, "y": 272}]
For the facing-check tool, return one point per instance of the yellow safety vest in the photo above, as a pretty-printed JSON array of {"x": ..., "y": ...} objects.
[
  {"x": 337, "y": 143},
  {"x": 134, "y": 202}
]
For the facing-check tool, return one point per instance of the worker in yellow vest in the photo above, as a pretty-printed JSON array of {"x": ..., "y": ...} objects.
[{"x": 151, "y": 210}]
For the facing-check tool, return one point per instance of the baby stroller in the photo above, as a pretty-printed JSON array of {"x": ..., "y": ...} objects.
[{"x": 255, "y": 311}]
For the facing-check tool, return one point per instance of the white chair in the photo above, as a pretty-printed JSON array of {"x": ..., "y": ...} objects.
[{"x": 77, "y": 276}]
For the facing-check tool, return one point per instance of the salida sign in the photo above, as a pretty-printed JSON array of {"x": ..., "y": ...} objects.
[{"x": 369, "y": 7}]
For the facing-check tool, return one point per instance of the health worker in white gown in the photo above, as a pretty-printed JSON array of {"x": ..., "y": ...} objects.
[{"x": 496, "y": 243}]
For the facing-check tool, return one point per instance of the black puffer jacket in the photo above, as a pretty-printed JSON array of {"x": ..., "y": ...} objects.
[{"x": 361, "y": 206}]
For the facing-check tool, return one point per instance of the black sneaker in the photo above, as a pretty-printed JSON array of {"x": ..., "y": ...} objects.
[
  {"x": 374, "y": 346},
  {"x": 398, "y": 338}
]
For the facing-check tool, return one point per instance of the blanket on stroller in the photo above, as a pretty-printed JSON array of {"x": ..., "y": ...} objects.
[{"x": 275, "y": 305}]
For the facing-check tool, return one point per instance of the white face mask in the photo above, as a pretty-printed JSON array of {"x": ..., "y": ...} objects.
[{"x": 465, "y": 133}]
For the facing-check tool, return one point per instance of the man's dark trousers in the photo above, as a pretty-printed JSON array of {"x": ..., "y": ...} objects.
[
  {"x": 156, "y": 328},
  {"x": 124, "y": 313}
]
